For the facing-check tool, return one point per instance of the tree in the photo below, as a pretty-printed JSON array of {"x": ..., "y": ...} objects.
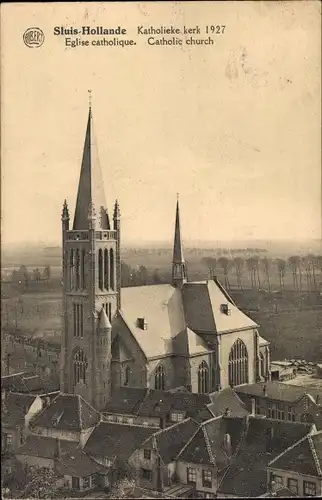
[
  {"x": 210, "y": 263},
  {"x": 251, "y": 266},
  {"x": 225, "y": 264},
  {"x": 23, "y": 275},
  {"x": 281, "y": 267},
  {"x": 47, "y": 273},
  {"x": 294, "y": 264},
  {"x": 313, "y": 261},
  {"x": 239, "y": 265},
  {"x": 256, "y": 266},
  {"x": 156, "y": 278},
  {"x": 267, "y": 265},
  {"x": 143, "y": 275},
  {"x": 36, "y": 275},
  {"x": 41, "y": 482}
]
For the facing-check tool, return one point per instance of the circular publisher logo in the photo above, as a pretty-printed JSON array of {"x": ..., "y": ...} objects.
[{"x": 33, "y": 37}]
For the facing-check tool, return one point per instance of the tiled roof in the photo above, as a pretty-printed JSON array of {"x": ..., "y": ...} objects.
[
  {"x": 202, "y": 304},
  {"x": 159, "y": 404},
  {"x": 73, "y": 461},
  {"x": 9, "y": 382},
  {"x": 278, "y": 391},
  {"x": 175, "y": 318},
  {"x": 14, "y": 409},
  {"x": 265, "y": 439},
  {"x": 305, "y": 457},
  {"x": 170, "y": 441},
  {"x": 39, "y": 446},
  {"x": 110, "y": 440},
  {"x": 67, "y": 412},
  {"x": 161, "y": 306},
  {"x": 207, "y": 444},
  {"x": 125, "y": 400},
  {"x": 226, "y": 399}
]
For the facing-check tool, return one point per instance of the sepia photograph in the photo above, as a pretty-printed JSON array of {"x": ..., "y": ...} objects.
[{"x": 161, "y": 250}]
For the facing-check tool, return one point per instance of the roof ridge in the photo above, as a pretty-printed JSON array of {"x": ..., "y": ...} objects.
[
  {"x": 288, "y": 449},
  {"x": 211, "y": 419},
  {"x": 188, "y": 442},
  {"x": 315, "y": 457},
  {"x": 211, "y": 456}
]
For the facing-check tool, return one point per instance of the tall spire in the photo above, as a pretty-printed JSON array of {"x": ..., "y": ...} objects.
[
  {"x": 179, "y": 273},
  {"x": 90, "y": 186}
]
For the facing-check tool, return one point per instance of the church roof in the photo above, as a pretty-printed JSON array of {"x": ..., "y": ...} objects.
[
  {"x": 67, "y": 412},
  {"x": 175, "y": 319},
  {"x": 90, "y": 187}
]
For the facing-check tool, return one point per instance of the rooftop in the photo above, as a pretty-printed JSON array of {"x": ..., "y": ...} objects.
[
  {"x": 14, "y": 409},
  {"x": 279, "y": 391}
]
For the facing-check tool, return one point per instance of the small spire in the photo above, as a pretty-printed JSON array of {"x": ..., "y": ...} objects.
[
  {"x": 90, "y": 100},
  {"x": 117, "y": 213},
  {"x": 104, "y": 321},
  {"x": 65, "y": 212},
  {"x": 179, "y": 273}
]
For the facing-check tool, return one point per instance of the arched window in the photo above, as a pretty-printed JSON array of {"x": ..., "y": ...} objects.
[
  {"x": 77, "y": 269},
  {"x": 127, "y": 376},
  {"x": 203, "y": 378},
  {"x": 71, "y": 269},
  {"x": 106, "y": 270},
  {"x": 80, "y": 366},
  {"x": 100, "y": 269},
  {"x": 112, "y": 282},
  {"x": 262, "y": 365},
  {"x": 159, "y": 378},
  {"x": 238, "y": 364},
  {"x": 83, "y": 270}
]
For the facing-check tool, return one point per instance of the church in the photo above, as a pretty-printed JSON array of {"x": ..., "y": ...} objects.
[{"x": 183, "y": 334}]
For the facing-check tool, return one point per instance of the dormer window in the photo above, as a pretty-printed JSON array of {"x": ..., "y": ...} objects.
[
  {"x": 142, "y": 323},
  {"x": 225, "y": 309}
]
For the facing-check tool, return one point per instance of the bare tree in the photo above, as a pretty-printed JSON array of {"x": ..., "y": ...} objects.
[
  {"x": 251, "y": 266},
  {"x": 267, "y": 266},
  {"x": 225, "y": 265},
  {"x": 210, "y": 263},
  {"x": 313, "y": 261},
  {"x": 239, "y": 265},
  {"x": 294, "y": 265},
  {"x": 281, "y": 267}
]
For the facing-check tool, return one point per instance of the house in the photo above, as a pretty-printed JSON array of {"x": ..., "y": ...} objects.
[
  {"x": 264, "y": 440},
  {"x": 283, "y": 401},
  {"x": 156, "y": 408},
  {"x": 76, "y": 470},
  {"x": 112, "y": 444},
  {"x": 188, "y": 456},
  {"x": 299, "y": 467},
  {"x": 283, "y": 370}
]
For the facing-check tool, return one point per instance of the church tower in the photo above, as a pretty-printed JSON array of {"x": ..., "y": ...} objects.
[
  {"x": 91, "y": 283},
  {"x": 179, "y": 271}
]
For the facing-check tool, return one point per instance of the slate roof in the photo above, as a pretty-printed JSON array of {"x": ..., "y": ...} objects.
[
  {"x": 73, "y": 461},
  {"x": 278, "y": 391},
  {"x": 159, "y": 404},
  {"x": 39, "y": 446},
  {"x": 170, "y": 441},
  {"x": 227, "y": 399},
  {"x": 175, "y": 318},
  {"x": 111, "y": 439},
  {"x": 305, "y": 457},
  {"x": 14, "y": 409},
  {"x": 247, "y": 476},
  {"x": 67, "y": 412},
  {"x": 207, "y": 444}
]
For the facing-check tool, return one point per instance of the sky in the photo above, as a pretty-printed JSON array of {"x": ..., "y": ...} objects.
[{"x": 234, "y": 127}]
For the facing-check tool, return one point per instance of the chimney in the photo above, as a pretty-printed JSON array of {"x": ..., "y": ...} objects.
[
  {"x": 253, "y": 407},
  {"x": 265, "y": 390},
  {"x": 227, "y": 412},
  {"x": 227, "y": 444}
]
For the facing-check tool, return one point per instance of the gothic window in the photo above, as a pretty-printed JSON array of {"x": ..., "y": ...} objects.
[
  {"x": 159, "y": 378},
  {"x": 127, "y": 376},
  {"x": 80, "y": 367},
  {"x": 262, "y": 365},
  {"x": 108, "y": 310},
  {"x": 77, "y": 269},
  {"x": 112, "y": 279},
  {"x": 83, "y": 270},
  {"x": 100, "y": 269},
  {"x": 71, "y": 269},
  {"x": 203, "y": 378},
  {"x": 106, "y": 270},
  {"x": 238, "y": 364},
  {"x": 78, "y": 320}
]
